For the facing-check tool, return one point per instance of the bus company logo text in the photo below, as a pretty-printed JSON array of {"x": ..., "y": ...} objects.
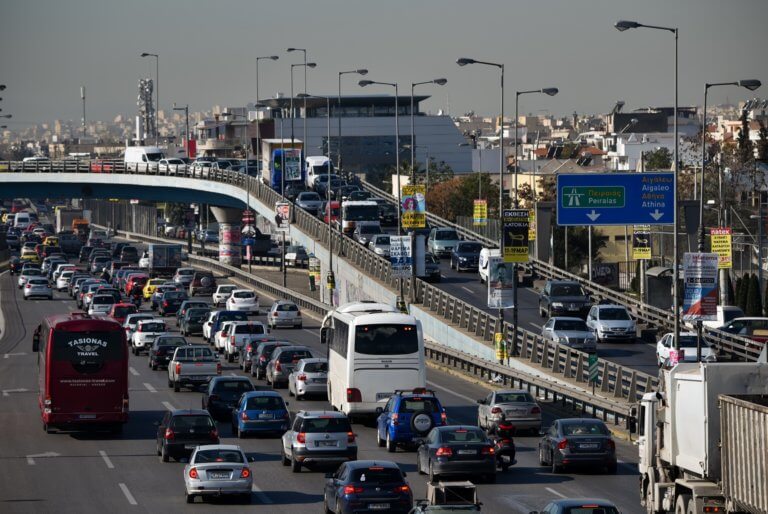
[{"x": 87, "y": 346}]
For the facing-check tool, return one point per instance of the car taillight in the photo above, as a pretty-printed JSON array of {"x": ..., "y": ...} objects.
[
  {"x": 298, "y": 313},
  {"x": 301, "y": 438},
  {"x": 214, "y": 435},
  {"x": 245, "y": 473},
  {"x": 302, "y": 378},
  {"x": 562, "y": 445},
  {"x": 232, "y": 340},
  {"x": 487, "y": 450},
  {"x": 193, "y": 473},
  {"x": 443, "y": 418},
  {"x": 496, "y": 410},
  {"x": 395, "y": 419},
  {"x": 165, "y": 303},
  {"x": 244, "y": 416},
  {"x": 29, "y": 286},
  {"x": 352, "y": 489},
  {"x": 402, "y": 489},
  {"x": 444, "y": 452},
  {"x": 350, "y": 437},
  {"x": 278, "y": 366},
  {"x": 178, "y": 368},
  {"x": 218, "y": 368},
  {"x": 536, "y": 410},
  {"x": 354, "y": 395},
  {"x": 169, "y": 434},
  {"x": 275, "y": 314},
  {"x": 611, "y": 445},
  {"x": 262, "y": 358}
]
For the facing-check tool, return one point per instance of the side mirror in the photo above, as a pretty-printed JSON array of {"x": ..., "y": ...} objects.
[
  {"x": 481, "y": 401},
  {"x": 405, "y": 474},
  {"x": 329, "y": 475},
  {"x": 379, "y": 410},
  {"x": 287, "y": 404},
  {"x": 251, "y": 458}
]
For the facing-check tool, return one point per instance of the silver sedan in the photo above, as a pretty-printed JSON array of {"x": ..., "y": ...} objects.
[
  {"x": 309, "y": 377},
  {"x": 217, "y": 470},
  {"x": 284, "y": 313},
  {"x": 38, "y": 287},
  {"x": 516, "y": 405},
  {"x": 569, "y": 331}
]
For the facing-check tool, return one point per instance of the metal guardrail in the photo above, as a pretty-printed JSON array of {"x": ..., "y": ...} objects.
[{"x": 731, "y": 345}]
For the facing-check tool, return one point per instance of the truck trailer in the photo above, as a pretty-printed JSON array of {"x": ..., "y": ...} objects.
[
  {"x": 703, "y": 440},
  {"x": 164, "y": 259},
  {"x": 65, "y": 217}
]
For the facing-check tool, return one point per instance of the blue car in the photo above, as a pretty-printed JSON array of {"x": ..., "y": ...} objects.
[
  {"x": 367, "y": 486},
  {"x": 260, "y": 411},
  {"x": 408, "y": 417}
]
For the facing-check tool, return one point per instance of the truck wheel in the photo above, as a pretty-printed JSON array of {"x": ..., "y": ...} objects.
[{"x": 176, "y": 386}]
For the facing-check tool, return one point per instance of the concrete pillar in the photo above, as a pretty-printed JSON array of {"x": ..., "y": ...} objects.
[{"x": 230, "y": 233}]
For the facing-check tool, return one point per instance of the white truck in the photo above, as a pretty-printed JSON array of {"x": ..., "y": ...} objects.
[
  {"x": 192, "y": 366},
  {"x": 143, "y": 158},
  {"x": 238, "y": 334},
  {"x": 702, "y": 440},
  {"x": 65, "y": 217},
  {"x": 317, "y": 165}
]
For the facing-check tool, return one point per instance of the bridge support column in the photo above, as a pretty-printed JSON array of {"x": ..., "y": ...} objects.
[{"x": 229, "y": 235}]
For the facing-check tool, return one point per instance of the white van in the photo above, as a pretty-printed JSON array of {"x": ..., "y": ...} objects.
[
  {"x": 317, "y": 165},
  {"x": 482, "y": 263},
  {"x": 143, "y": 157},
  {"x": 22, "y": 220}
]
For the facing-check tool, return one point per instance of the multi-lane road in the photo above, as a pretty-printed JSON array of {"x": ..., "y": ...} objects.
[{"x": 65, "y": 472}]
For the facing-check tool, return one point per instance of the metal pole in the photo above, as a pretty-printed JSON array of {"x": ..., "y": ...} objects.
[
  {"x": 397, "y": 170},
  {"x": 589, "y": 257},
  {"x": 157, "y": 97},
  {"x": 501, "y": 193},
  {"x": 413, "y": 149},
  {"x": 702, "y": 234},
  {"x": 328, "y": 167},
  {"x": 82, "y": 95},
  {"x": 292, "y": 116},
  {"x": 338, "y": 134},
  {"x": 304, "y": 123},
  {"x": 676, "y": 250}
]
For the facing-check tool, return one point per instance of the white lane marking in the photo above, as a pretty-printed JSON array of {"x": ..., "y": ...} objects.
[
  {"x": 69, "y": 307},
  {"x": 8, "y": 355},
  {"x": 127, "y": 493},
  {"x": 150, "y": 387},
  {"x": 467, "y": 290},
  {"x": 133, "y": 371},
  {"x": 168, "y": 406},
  {"x": 442, "y": 276},
  {"x": 534, "y": 324},
  {"x": 7, "y": 392},
  {"x": 46, "y": 455},
  {"x": 107, "y": 460},
  {"x": 555, "y": 492},
  {"x": 261, "y": 495},
  {"x": 308, "y": 331},
  {"x": 232, "y": 373},
  {"x": 458, "y": 395}
]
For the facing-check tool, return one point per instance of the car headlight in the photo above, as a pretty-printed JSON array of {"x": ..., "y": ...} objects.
[
  {"x": 378, "y": 251},
  {"x": 557, "y": 305},
  {"x": 463, "y": 259},
  {"x": 562, "y": 339}
]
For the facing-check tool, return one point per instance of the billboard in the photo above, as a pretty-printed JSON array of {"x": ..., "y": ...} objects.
[
  {"x": 515, "y": 234},
  {"x": 500, "y": 284},
  {"x": 641, "y": 242},
  {"x": 282, "y": 215},
  {"x": 480, "y": 213},
  {"x": 700, "y": 276},
  {"x": 400, "y": 256},
  {"x": 414, "y": 206},
  {"x": 292, "y": 160},
  {"x": 721, "y": 242}
]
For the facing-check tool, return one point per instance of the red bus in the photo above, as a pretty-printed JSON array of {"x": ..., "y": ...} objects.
[{"x": 82, "y": 372}]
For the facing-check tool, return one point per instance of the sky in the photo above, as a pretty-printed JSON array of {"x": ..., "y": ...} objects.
[{"x": 207, "y": 49}]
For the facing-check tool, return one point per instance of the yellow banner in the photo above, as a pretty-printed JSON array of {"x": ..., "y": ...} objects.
[
  {"x": 721, "y": 241},
  {"x": 414, "y": 206},
  {"x": 515, "y": 235},
  {"x": 641, "y": 242},
  {"x": 480, "y": 213},
  {"x": 532, "y": 226}
]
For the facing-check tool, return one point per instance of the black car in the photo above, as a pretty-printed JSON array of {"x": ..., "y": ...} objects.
[
  {"x": 293, "y": 190},
  {"x": 465, "y": 256},
  {"x": 260, "y": 357},
  {"x": 182, "y": 430},
  {"x": 387, "y": 214},
  {"x": 359, "y": 195},
  {"x": 367, "y": 486},
  {"x": 245, "y": 356},
  {"x": 170, "y": 302},
  {"x": 192, "y": 321},
  {"x": 431, "y": 268},
  {"x": 579, "y": 506},
  {"x": 15, "y": 265},
  {"x": 578, "y": 441},
  {"x": 564, "y": 298},
  {"x": 222, "y": 395},
  {"x": 116, "y": 249},
  {"x": 190, "y": 304},
  {"x": 344, "y": 191},
  {"x": 162, "y": 350},
  {"x": 456, "y": 450},
  {"x": 129, "y": 254}
]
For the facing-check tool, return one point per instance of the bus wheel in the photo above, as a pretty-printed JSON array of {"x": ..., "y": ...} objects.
[{"x": 47, "y": 428}]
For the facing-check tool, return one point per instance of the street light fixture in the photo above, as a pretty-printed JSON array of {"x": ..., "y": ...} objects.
[
  {"x": 361, "y": 71},
  {"x": 439, "y": 82},
  {"x": 304, "y": 51},
  {"x": 621, "y": 26},
  {"x": 305, "y": 65},
  {"x": 157, "y": 91},
  {"x": 258, "y": 104}
]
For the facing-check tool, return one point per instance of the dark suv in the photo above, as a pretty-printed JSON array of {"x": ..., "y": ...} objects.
[
  {"x": 181, "y": 431},
  {"x": 203, "y": 282},
  {"x": 222, "y": 395},
  {"x": 129, "y": 254},
  {"x": 564, "y": 298},
  {"x": 407, "y": 417}
]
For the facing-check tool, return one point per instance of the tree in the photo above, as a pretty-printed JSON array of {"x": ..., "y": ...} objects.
[
  {"x": 659, "y": 159},
  {"x": 754, "y": 300},
  {"x": 578, "y": 247},
  {"x": 743, "y": 291},
  {"x": 762, "y": 143}
]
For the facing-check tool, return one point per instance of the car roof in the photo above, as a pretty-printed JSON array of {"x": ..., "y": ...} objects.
[
  {"x": 357, "y": 464},
  {"x": 321, "y": 413},
  {"x": 243, "y": 291},
  {"x": 230, "y": 447},
  {"x": 263, "y": 393},
  {"x": 610, "y": 306},
  {"x": 190, "y": 412},
  {"x": 152, "y": 320},
  {"x": 565, "y": 318},
  {"x": 231, "y": 378},
  {"x": 510, "y": 391}
]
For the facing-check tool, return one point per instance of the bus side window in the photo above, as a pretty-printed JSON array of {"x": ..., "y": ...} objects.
[
  {"x": 36, "y": 339},
  {"x": 324, "y": 335}
]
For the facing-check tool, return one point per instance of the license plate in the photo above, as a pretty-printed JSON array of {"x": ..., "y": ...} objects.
[
  {"x": 381, "y": 396},
  {"x": 197, "y": 377},
  {"x": 319, "y": 380},
  {"x": 218, "y": 476},
  {"x": 326, "y": 444},
  {"x": 589, "y": 446},
  {"x": 265, "y": 416},
  {"x": 378, "y": 506},
  {"x": 87, "y": 416},
  {"x": 190, "y": 446},
  {"x": 467, "y": 452}
]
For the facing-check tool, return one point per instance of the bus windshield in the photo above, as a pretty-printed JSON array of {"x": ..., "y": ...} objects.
[
  {"x": 361, "y": 212},
  {"x": 87, "y": 352},
  {"x": 386, "y": 339}
]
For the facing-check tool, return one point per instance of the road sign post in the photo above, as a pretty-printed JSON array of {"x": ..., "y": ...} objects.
[{"x": 592, "y": 361}]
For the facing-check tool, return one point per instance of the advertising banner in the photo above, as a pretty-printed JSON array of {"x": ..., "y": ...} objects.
[
  {"x": 515, "y": 235},
  {"x": 500, "y": 284},
  {"x": 700, "y": 275},
  {"x": 532, "y": 226},
  {"x": 400, "y": 256},
  {"x": 480, "y": 213},
  {"x": 721, "y": 241},
  {"x": 292, "y": 164},
  {"x": 282, "y": 215},
  {"x": 641, "y": 242},
  {"x": 414, "y": 207}
]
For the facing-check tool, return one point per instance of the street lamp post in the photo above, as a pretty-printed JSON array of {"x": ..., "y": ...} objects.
[
  {"x": 258, "y": 104},
  {"x": 413, "y": 176},
  {"x": 327, "y": 189},
  {"x": 157, "y": 91},
  {"x": 361, "y": 71},
  {"x": 364, "y": 83},
  {"x": 439, "y": 82},
  {"x": 463, "y": 61},
  {"x": 750, "y": 85},
  {"x": 621, "y": 26},
  {"x": 304, "y": 51},
  {"x": 293, "y": 116},
  {"x": 186, "y": 133}
]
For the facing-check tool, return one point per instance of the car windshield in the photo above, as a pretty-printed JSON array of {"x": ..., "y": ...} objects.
[
  {"x": 206, "y": 456},
  {"x": 370, "y": 229},
  {"x": 134, "y": 320},
  {"x": 446, "y": 235},
  {"x": 316, "y": 367},
  {"x": 584, "y": 428},
  {"x": 153, "y": 327},
  {"x": 232, "y": 386},
  {"x": 386, "y": 339},
  {"x": 469, "y": 248},
  {"x": 376, "y": 475},
  {"x": 294, "y": 356},
  {"x": 382, "y": 240},
  {"x": 567, "y": 290},
  {"x": 591, "y": 509},
  {"x": 286, "y": 307},
  {"x": 184, "y": 272},
  {"x": 411, "y": 405},
  {"x": 102, "y": 300},
  {"x": 249, "y": 329},
  {"x": 614, "y": 313},
  {"x": 309, "y": 197},
  {"x": 174, "y": 295},
  {"x": 325, "y": 424},
  {"x": 690, "y": 342},
  {"x": 197, "y": 313},
  {"x": 571, "y": 324},
  {"x": 227, "y": 289},
  {"x": 244, "y": 295},
  {"x": 265, "y": 403},
  {"x": 190, "y": 423},
  {"x": 514, "y": 398},
  {"x": 462, "y": 435}
]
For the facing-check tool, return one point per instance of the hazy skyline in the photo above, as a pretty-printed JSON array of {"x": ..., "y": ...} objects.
[{"x": 48, "y": 49}]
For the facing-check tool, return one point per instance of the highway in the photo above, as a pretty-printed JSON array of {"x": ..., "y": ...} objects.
[{"x": 93, "y": 472}]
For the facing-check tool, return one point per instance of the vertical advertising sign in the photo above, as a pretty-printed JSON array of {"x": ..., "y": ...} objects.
[
  {"x": 292, "y": 164},
  {"x": 641, "y": 242},
  {"x": 532, "y": 226},
  {"x": 500, "y": 284},
  {"x": 515, "y": 235},
  {"x": 700, "y": 275},
  {"x": 721, "y": 242},
  {"x": 282, "y": 215},
  {"x": 414, "y": 207},
  {"x": 400, "y": 256},
  {"x": 480, "y": 213}
]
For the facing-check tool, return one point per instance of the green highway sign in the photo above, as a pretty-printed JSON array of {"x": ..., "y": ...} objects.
[{"x": 594, "y": 196}]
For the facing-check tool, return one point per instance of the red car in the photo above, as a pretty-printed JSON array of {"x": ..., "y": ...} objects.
[{"x": 120, "y": 311}]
